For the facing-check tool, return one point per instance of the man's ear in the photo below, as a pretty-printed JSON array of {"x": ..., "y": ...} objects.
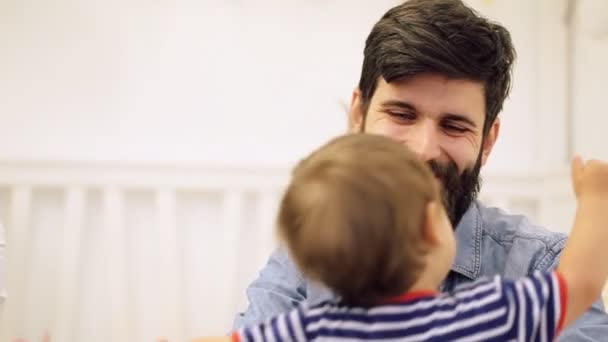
[
  {"x": 431, "y": 233},
  {"x": 490, "y": 140},
  {"x": 356, "y": 117}
]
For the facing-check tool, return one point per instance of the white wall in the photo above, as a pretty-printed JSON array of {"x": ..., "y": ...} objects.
[
  {"x": 217, "y": 81},
  {"x": 213, "y": 81},
  {"x": 591, "y": 73},
  {"x": 513, "y": 152}
]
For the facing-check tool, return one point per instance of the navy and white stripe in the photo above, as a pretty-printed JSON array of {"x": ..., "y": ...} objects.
[{"x": 489, "y": 309}]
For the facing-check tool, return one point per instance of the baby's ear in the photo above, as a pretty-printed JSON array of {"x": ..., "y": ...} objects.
[{"x": 430, "y": 226}]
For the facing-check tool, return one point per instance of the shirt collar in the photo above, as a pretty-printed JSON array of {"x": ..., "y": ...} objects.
[
  {"x": 468, "y": 239},
  {"x": 410, "y": 296}
]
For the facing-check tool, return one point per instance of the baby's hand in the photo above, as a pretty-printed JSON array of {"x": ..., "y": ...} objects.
[{"x": 590, "y": 179}]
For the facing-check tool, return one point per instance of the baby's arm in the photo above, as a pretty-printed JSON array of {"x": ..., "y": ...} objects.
[
  {"x": 283, "y": 327},
  {"x": 584, "y": 261}
]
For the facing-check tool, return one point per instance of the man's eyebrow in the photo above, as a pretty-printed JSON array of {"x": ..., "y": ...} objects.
[{"x": 400, "y": 104}]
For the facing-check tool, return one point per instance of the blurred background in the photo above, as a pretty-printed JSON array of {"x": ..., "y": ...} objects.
[{"x": 144, "y": 145}]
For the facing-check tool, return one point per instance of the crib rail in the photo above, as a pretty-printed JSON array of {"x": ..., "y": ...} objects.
[{"x": 117, "y": 242}]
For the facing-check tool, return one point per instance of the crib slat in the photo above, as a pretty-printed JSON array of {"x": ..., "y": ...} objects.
[
  {"x": 17, "y": 231},
  {"x": 113, "y": 207},
  {"x": 232, "y": 209},
  {"x": 266, "y": 223},
  {"x": 170, "y": 283},
  {"x": 69, "y": 257}
]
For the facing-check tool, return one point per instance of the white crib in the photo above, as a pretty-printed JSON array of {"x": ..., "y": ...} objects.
[{"x": 116, "y": 252}]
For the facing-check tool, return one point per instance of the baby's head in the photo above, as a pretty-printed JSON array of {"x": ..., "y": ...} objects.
[{"x": 363, "y": 216}]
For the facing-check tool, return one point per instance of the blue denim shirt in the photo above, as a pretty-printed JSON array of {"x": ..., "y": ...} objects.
[{"x": 489, "y": 242}]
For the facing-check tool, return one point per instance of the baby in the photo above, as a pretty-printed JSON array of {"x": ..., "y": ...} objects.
[{"x": 364, "y": 217}]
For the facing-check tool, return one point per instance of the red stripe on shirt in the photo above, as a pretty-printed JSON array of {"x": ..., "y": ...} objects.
[{"x": 563, "y": 298}]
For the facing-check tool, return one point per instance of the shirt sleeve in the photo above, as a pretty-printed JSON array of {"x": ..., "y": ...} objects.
[
  {"x": 592, "y": 326},
  {"x": 287, "y": 327},
  {"x": 539, "y": 305},
  {"x": 279, "y": 288}
]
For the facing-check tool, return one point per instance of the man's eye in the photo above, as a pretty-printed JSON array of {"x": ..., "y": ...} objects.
[
  {"x": 455, "y": 128},
  {"x": 402, "y": 116}
]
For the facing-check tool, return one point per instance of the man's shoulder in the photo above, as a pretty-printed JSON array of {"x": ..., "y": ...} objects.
[
  {"x": 504, "y": 227},
  {"x": 519, "y": 239}
]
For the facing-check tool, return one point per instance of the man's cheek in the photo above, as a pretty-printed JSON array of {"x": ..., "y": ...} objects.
[
  {"x": 461, "y": 159},
  {"x": 388, "y": 130}
]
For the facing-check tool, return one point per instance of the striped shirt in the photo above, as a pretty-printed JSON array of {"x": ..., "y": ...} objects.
[{"x": 529, "y": 309}]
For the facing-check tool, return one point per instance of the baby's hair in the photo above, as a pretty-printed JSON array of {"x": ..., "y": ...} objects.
[{"x": 353, "y": 215}]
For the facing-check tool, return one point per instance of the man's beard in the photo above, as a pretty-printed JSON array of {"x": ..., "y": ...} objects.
[{"x": 459, "y": 189}]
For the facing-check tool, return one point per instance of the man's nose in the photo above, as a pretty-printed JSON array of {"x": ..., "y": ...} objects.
[{"x": 423, "y": 140}]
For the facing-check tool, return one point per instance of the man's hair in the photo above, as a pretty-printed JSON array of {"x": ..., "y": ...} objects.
[
  {"x": 353, "y": 215},
  {"x": 444, "y": 37}
]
